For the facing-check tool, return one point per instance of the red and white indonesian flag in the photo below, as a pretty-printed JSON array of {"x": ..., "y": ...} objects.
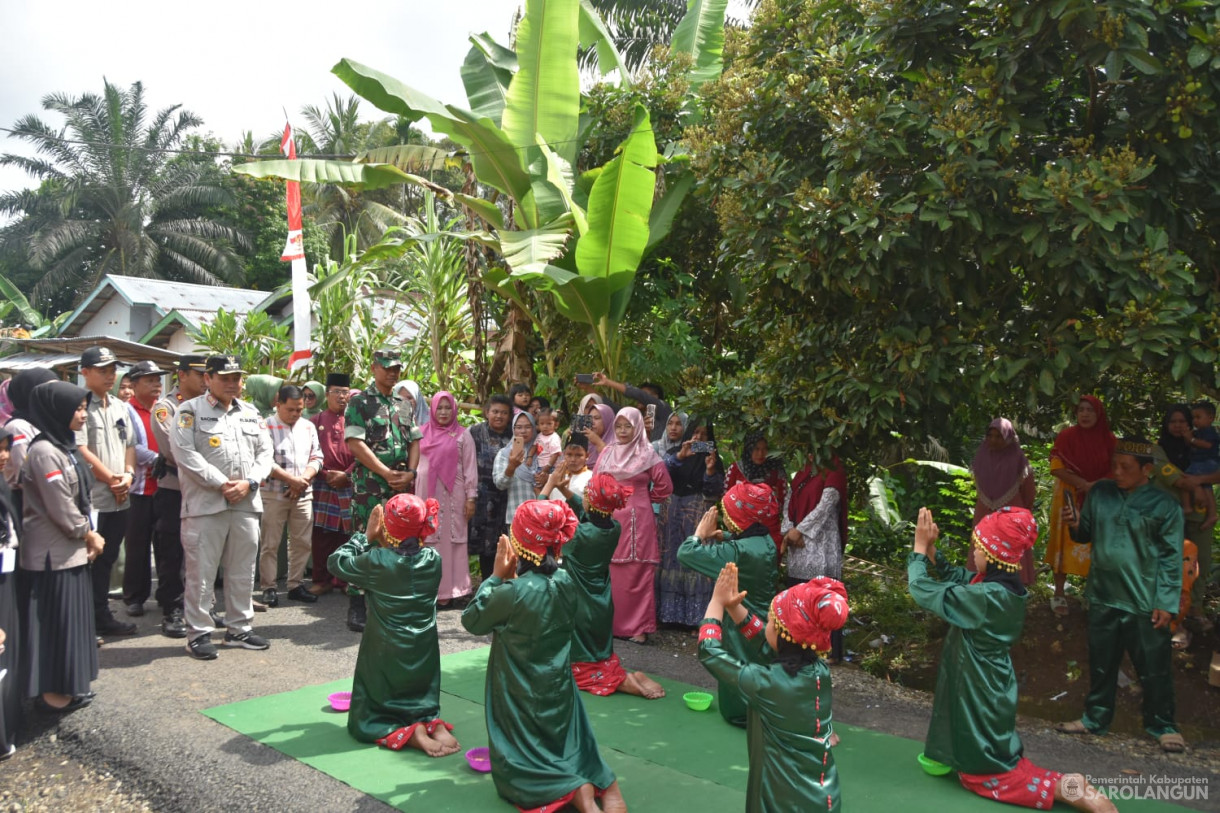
[{"x": 294, "y": 252}]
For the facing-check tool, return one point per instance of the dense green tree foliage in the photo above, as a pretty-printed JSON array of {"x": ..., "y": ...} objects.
[{"x": 946, "y": 209}]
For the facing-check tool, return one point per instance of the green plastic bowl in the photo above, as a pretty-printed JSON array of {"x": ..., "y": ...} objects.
[
  {"x": 933, "y": 768},
  {"x": 697, "y": 701}
]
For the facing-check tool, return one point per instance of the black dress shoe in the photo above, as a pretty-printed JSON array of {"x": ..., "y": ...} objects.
[
  {"x": 73, "y": 704},
  {"x": 113, "y": 626},
  {"x": 271, "y": 598},
  {"x": 299, "y": 593}
]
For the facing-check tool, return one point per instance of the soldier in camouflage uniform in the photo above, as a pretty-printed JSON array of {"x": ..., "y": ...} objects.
[{"x": 385, "y": 443}]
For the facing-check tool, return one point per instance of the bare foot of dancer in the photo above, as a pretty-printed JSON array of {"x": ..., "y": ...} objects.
[
  {"x": 1075, "y": 791},
  {"x": 640, "y": 684},
  {"x": 585, "y": 799},
  {"x": 612, "y": 800},
  {"x": 422, "y": 742},
  {"x": 445, "y": 740}
]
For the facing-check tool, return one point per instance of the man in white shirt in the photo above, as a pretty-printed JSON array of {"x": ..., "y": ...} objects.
[{"x": 288, "y": 496}]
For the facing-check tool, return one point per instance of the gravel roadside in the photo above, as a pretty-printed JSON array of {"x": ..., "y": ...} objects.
[{"x": 142, "y": 745}]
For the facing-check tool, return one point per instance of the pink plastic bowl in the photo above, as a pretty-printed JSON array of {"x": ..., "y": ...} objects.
[
  {"x": 340, "y": 701},
  {"x": 479, "y": 759}
]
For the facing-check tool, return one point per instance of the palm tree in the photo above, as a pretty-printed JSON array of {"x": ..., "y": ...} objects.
[{"x": 111, "y": 201}]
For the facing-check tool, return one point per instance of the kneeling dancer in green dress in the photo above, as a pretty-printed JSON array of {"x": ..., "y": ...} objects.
[
  {"x": 1134, "y": 591},
  {"x": 595, "y": 666},
  {"x": 397, "y": 687},
  {"x": 974, "y": 713},
  {"x": 543, "y": 753},
  {"x": 749, "y": 510},
  {"x": 788, "y": 730}
]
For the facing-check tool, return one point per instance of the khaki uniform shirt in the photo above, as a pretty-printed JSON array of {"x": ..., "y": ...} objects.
[
  {"x": 164, "y": 413},
  {"x": 213, "y": 445},
  {"x": 108, "y": 433}
]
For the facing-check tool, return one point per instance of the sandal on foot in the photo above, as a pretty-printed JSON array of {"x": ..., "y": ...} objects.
[
  {"x": 1172, "y": 743},
  {"x": 1059, "y": 605},
  {"x": 1072, "y": 727},
  {"x": 1181, "y": 639}
]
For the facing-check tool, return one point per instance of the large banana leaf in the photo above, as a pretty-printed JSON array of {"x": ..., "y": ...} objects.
[
  {"x": 312, "y": 170},
  {"x": 528, "y": 251},
  {"x": 496, "y": 160},
  {"x": 594, "y": 34},
  {"x": 701, "y": 35},
  {"x": 22, "y": 305},
  {"x": 544, "y": 97},
  {"x": 486, "y": 75},
  {"x": 559, "y": 178},
  {"x": 619, "y": 206},
  {"x": 582, "y": 299},
  {"x": 487, "y": 211},
  {"x": 410, "y": 158}
]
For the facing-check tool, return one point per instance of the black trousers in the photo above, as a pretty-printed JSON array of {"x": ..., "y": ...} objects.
[
  {"x": 167, "y": 544},
  {"x": 112, "y": 525},
  {"x": 137, "y": 575}
]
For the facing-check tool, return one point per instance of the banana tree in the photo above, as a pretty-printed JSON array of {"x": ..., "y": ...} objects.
[{"x": 579, "y": 237}]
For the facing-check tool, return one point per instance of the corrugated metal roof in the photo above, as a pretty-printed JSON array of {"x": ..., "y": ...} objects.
[
  {"x": 65, "y": 352},
  {"x": 164, "y": 296},
  {"x": 181, "y": 296}
]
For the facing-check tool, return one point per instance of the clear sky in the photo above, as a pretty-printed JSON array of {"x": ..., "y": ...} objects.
[{"x": 237, "y": 65}]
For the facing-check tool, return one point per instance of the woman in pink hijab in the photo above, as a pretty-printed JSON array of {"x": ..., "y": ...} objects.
[
  {"x": 449, "y": 473},
  {"x": 632, "y": 461}
]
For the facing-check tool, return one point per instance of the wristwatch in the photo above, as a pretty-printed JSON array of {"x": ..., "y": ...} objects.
[{"x": 253, "y": 484}]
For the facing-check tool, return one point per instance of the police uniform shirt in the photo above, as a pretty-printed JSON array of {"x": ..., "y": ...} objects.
[
  {"x": 107, "y": 433},
  {"x": 164, "y": 412},
  {"x": 213, "y": 445}
]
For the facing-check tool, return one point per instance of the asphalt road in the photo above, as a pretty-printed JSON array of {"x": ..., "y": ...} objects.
[{"x": 144, "y": 726}]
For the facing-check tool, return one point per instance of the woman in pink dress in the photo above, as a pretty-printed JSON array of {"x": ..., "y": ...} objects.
[
  {"x": 449, "y": 474},
  {"x": 633, "y": 462}
]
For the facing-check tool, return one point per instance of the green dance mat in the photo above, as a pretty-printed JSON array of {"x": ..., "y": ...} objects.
[{"x": 666, "y": 756}]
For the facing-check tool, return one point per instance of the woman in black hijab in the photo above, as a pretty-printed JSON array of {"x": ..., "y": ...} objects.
[
  {"x": 19, "y": 424},
  {"x": 59, "y": 650},
  {"x": 10, "y": 690}
]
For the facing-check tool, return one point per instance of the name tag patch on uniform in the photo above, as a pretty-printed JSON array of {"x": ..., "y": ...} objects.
[
  {"x": 186, "y": 420},
  {"x": 162, "y": 413},
  {"x": 214, "y": 442},
  {"x": 52, "y": 476}
]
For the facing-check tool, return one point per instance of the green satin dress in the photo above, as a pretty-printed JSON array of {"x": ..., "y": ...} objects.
[
  {"x": 792, "y": 767},
  {"x": 587, "y": 560},
  {"x": 398, "y": 670},
  {"x": 974, "y": 713},
  {"x": 542, "y": 746},
  {"x": 757, "y": 574}
]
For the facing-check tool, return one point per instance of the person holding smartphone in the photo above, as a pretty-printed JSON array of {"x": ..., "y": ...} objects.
[
  {"x": 517, "y": 465},
  {"x": 648, "y": 394},
  {"x": 698, "y": 478}
]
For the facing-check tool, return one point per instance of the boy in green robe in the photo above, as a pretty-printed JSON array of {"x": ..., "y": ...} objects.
[
  {"x": 543, "y": 752},
  {"x": 396, "y": 688},
  {"x": 595, "y": 666},
  {"x": 974, "y": 713},
  {"x": 1134, "y": 591},
  {"x": 789, "y": 731},
  {"x": 749, "y": 508}
]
